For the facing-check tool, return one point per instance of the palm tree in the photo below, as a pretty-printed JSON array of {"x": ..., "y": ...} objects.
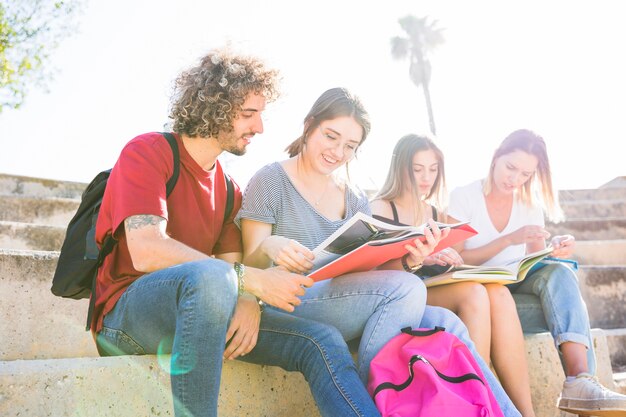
[{"x": 423, "y": 36}]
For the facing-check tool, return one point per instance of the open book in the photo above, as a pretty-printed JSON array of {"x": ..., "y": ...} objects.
[
  {"x": 363, "y": 243},
  {"x": 511, "y": 272}
]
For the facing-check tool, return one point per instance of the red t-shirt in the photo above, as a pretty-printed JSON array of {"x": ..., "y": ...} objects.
[{"x": 194, "y": 210}]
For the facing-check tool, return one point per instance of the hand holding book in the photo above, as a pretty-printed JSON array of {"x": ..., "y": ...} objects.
[
  {"x": 364, "y": 243},
  {"x": 288, "y": 253},
  {"x": 418, "y": 250}
]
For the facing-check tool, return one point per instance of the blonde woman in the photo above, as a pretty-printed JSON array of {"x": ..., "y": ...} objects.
[
  {"x": 507, "y": 209},
  {"x": 412, "y": 194}
]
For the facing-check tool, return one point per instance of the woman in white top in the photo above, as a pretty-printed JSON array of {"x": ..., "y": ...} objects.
[
  {"x": 507, "y": 209},
  {"x": 414, "y": 189}
]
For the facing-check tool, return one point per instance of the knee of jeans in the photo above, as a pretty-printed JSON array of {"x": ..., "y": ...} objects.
[
  {"x": 325, "y": 340},
  {"x": 556, "y": 277},
  {"x": 407, "y": 285},
  {"x": 212, "y": 284}
]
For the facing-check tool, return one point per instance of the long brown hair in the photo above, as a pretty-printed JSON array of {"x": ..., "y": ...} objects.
[
  {"x": 333, "y": 103},
  {"x": 400, "y": 175},
  {"x": 540, "y": 184}
]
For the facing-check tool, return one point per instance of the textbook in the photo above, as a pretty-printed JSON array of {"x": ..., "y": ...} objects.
[
  {"x": 363, "y": 243},
  {"x": 509, "y": 273}
]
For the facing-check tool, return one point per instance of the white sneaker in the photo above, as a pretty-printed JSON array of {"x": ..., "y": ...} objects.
[{"x": 585, "y": 396}]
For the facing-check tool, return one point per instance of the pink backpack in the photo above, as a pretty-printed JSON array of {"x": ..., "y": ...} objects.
[{"x": 426, "y": 373}]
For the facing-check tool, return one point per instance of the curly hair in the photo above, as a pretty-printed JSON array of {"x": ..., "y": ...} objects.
[{"x": 208, "y": 97}]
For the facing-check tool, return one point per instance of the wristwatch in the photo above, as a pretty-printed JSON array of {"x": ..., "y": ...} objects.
[{"x": 407, "y": 268}]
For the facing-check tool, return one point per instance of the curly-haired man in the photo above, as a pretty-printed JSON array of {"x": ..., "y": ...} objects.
[{"x": 173, "y": 283}]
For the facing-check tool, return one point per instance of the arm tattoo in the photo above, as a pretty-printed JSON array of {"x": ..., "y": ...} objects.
[{"x": 142, "y": 220}]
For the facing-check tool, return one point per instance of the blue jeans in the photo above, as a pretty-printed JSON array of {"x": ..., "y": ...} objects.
[
  {"x": 375, "y": 305},
  {"x": 185, "y": 310},
  {"x": 564, "y": 311},
  {"x": 372, "y": 305}
]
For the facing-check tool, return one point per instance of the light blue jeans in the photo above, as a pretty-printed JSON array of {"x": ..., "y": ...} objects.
[
  {"x": 185, "y": 310},
  {"x": 375, "y": 305},
  {"x": 562, "y": 309}
]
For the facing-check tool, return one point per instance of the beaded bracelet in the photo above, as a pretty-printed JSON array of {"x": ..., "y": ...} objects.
[{"x": 240, "y": 269}]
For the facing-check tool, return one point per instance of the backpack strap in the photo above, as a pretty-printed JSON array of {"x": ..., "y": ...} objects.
[
  {"x": 109, "y": 241},
  {"x": 230, "y": 197},
  {"x": 171, "y": 183},
  {"x": 409, "y": 331}
]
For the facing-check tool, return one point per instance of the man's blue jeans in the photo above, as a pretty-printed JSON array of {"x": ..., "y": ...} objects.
[
  {"x": 186, "y": 309},
  {"x": 559, "y": 307},
  {"x": 375, "y": 305}
]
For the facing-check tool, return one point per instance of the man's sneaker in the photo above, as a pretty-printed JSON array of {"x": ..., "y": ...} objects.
[{"x": 585, "y": 396}]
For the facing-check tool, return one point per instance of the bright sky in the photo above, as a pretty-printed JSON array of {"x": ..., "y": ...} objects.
[{"x": 558, "y": 67}]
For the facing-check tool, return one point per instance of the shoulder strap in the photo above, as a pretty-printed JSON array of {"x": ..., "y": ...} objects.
[
  {"x": 109, "y": 241},
  {"x": 434, "y": 210},
  {"x": 230, "y": 197},
  {"x": 395, "y": 211},
  {"x": 171, "y": 183}
]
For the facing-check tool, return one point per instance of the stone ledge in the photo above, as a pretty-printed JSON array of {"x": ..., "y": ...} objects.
[
  {"x": 601, "y": 252},
  {"x": 39, "y": 187},
  {"x": 52, "y": 211},
  {"x": 29, "y": 236},
  {"x": 591, "y": 229},
  {"x": 139, "y": 386}
]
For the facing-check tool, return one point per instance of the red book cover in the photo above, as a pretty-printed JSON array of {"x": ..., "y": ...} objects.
[{"x": 385, "y": 242}]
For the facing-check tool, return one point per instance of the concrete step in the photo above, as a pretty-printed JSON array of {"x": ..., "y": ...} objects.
[
  {"x": 604, "y": 291},
  {"x": 39, "y": 187},
  {"x": 50, "y": 211},
  {"x": 139, "y": 385},
  {"x": 594, "y": 209},
  {"x": 546, "y": 373},
  {"x": 34, "y": 323},
  {"x": 16, "y": 235},
  {"x": 591, "y": 229},
  {"x": 600, "y": 194},
  {"x": 128, "y": 386},
  {"x": 601, "y": 252},
  {"x": 616, "y": 340}
]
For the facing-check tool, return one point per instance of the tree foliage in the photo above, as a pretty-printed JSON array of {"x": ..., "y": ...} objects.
[
  {"x": 29, "y": 31},
  {"x": 422, "y": 37}
]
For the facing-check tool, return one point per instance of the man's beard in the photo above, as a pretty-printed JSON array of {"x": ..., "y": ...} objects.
[{"x": 230, "y": 145}]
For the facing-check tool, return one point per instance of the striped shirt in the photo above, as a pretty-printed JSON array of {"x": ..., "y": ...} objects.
[{"x": 271, "y": 197}]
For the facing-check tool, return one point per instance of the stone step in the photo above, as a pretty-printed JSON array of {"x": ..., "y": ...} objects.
[
  {"x": 594, "y": 209},
  {"x": 16, "y": 235},
  {"x": 604, "y": 291},
  {"x": 601, "y": 252},
  {"x": 52, "y": 211},
  {"x": 607, "y": 193},
  {"x": 39, "y": 187},
  {"x": 35, "y": 324},
  {"x": 128, "y": 386},
  {"x": 591, "y": 229},
  {"x": 616, "y": 339},
  {"x": 139, "y": 385}
]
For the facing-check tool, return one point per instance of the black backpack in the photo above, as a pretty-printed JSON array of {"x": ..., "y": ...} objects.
[{"x": 80, "y": 257}]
